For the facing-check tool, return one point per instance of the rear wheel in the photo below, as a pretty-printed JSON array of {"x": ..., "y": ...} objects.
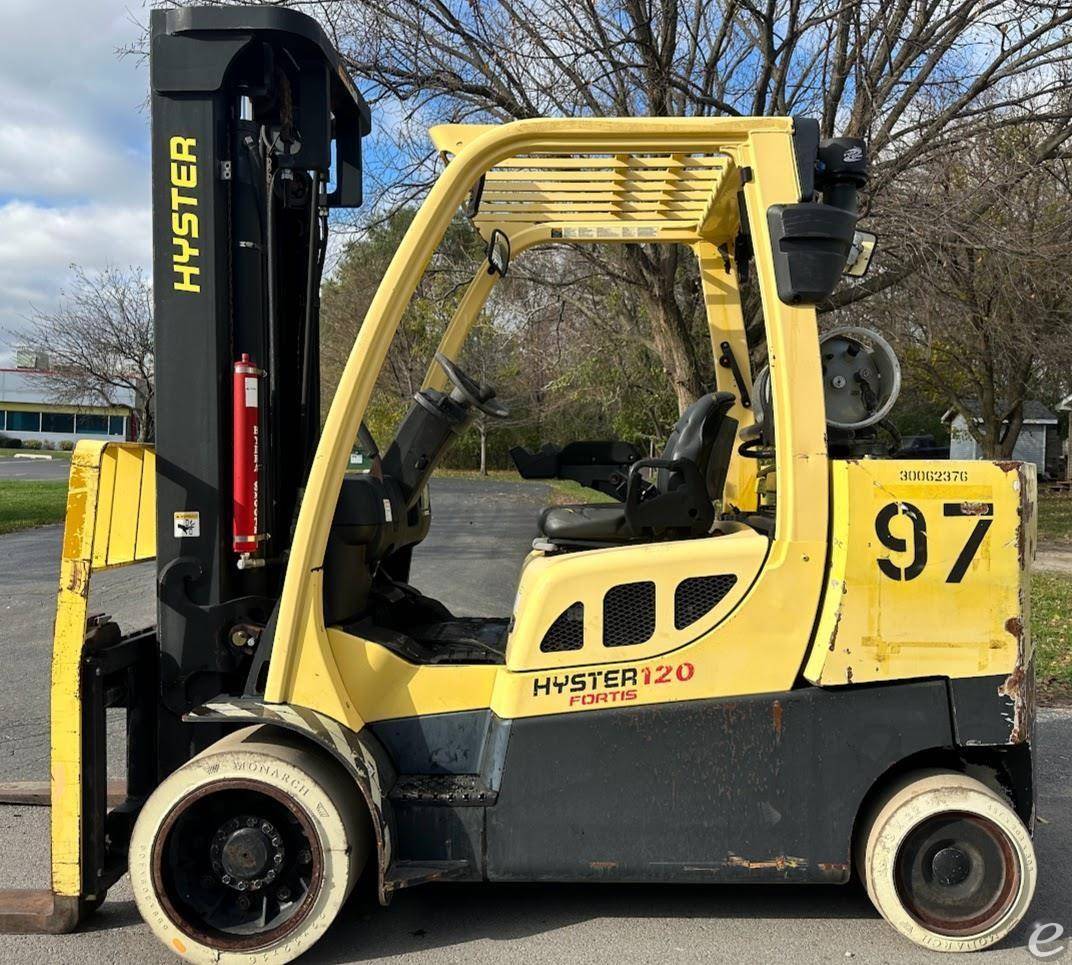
[
  {"x": 248, "y": 851},
  {"x": 948, "y": 863}
]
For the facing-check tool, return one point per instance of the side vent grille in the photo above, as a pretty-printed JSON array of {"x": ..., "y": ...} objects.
[
  {"x": 699, "y": 595},
  {"x": 628, "y": 614},
  {"x": 567, "y": 632}
]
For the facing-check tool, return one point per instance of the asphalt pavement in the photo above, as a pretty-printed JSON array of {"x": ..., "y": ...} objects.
[
  {"x": 34, "y": 470},
  {"x": 480, "y": 534}
]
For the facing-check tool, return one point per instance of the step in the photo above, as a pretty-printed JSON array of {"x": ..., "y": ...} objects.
[{"x": 406, "y": 874}]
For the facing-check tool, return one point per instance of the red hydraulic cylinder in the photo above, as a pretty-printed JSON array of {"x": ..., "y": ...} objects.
[{"x": 247, "y": 457}]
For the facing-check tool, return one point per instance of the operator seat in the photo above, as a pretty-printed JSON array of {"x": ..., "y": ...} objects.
[{"x": 691, "y": 474}]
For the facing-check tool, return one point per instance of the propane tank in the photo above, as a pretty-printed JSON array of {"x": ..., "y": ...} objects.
[{"x": 246, "y": 455}]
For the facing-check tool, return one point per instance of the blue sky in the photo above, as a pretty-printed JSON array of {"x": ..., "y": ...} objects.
[{"x": 74, "y": 154}]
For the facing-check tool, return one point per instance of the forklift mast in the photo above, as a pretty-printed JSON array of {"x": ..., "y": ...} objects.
[{"x": 256, "y": 134}]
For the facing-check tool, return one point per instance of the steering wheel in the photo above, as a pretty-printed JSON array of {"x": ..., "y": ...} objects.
[{"x": 479, "y": 396}]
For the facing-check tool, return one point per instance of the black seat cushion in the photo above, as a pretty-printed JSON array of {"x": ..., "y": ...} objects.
[{"x": 594, "y": 522}]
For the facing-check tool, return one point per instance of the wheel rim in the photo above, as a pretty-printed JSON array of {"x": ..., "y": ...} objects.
[
  {"x": 957, "y": 873},
  {"x": 237, "y": 865}
]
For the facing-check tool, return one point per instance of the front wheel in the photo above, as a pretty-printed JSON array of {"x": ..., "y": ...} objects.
[
  {"x": 247, "y": 852},
  {"x": 948, "y": 863}
]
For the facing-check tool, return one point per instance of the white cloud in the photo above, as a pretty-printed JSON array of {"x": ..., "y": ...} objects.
[
  {"x": 38, "y": 244},
  {"x": 46, "y": 159},
  {"x": 74, "y": 155}
]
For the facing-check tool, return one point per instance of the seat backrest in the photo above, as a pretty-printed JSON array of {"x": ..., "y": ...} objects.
[{"x": 704, "y": 436}]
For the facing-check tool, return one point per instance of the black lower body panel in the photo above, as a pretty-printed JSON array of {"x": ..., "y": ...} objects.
[
  {"x": 763, "y": 788},
  {"x": 760, "y": 789}
]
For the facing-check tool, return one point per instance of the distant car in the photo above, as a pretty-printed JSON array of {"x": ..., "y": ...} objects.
[{"x": 922, "y": 447}]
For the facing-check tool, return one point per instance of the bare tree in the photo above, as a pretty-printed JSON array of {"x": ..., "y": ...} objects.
[
  {"x": 985, "y": 322},
  {"x": 918, "y": 78},
  {"x": 99, "y": 341}
]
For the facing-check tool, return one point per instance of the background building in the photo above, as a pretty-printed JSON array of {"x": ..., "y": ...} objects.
[
  {"x": 29, "y": 410},
  {"x": 1038, "y": 441}
]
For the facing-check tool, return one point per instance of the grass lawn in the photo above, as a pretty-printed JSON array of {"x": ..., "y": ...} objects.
[
  {"x": 1055, "y": 518},
  {"x": 24, "y": 504},
  {"x": 562, "y": 490},
  {"x": 567, "y": 491},
  {"x": 509, "y": 475},
  {"x": 1051, "y": 603}
]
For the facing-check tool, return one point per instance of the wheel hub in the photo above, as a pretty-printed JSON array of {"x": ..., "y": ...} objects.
[
  {"x": 247, "y": 853},
  {"x": 957, "y": 873},
  {"x": 950, "y": 867},
  {"x": 237, "y": 864}
]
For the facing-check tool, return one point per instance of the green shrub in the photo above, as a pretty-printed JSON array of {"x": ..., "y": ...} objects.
[
  {"x": 32, "y": 444},
  {"x": 6, "y": 442},
  {"x": 67, "y": 445}
]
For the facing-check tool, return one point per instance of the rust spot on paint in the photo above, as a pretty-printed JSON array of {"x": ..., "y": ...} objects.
[
  {"x": 78, "y": 577},
  {"x": 836, "y": 871},
  {"x": 776, "y": 713},
  {"x": 975, "y": 509},
  {"x": 781, "y": 862},
  {"x": 603, "y": 865},
  {"x": 1008, "y": 465},
  {"x": 1019, "y": 686},
  {"x": 837, "y": 617},
  {"x": 1013, "y": 683},
  {"x": 848, "y": 675}
]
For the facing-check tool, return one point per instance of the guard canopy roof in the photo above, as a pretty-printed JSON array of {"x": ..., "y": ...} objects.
[{"x": 681, "y": 186}]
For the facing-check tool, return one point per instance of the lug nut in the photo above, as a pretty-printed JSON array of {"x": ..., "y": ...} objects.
[
  {"x": 283, "y": 894},
  {"x": 304, "y": 857}
]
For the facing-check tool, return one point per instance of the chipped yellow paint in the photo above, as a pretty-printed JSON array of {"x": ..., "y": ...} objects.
[
  {"x": 110, "y": 522},
  {"x": 882, "y": 618}
]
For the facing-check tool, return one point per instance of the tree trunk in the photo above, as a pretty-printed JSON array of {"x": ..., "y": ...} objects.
[
  {"x": 671, "y": 329},
  {"x": 483, "y": 430},
  {"x": 1012, "y": 432},
  {"x": 146, "y": 424}
]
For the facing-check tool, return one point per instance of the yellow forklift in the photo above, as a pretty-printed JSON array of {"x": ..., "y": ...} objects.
[{"x": 776, "y": 656}]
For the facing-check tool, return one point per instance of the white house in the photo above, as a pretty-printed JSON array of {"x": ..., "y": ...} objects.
[
  {"x": 29, "y": 410},
  {"x": 1037, "y": 442}
]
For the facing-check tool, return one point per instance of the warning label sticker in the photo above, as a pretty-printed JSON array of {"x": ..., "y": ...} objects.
[{"x": 187, "y": 524}]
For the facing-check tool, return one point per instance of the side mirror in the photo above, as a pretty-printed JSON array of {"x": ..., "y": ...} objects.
[
  {"x": 860, "y": 253},
  {"x": 498, "y": 254}
]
